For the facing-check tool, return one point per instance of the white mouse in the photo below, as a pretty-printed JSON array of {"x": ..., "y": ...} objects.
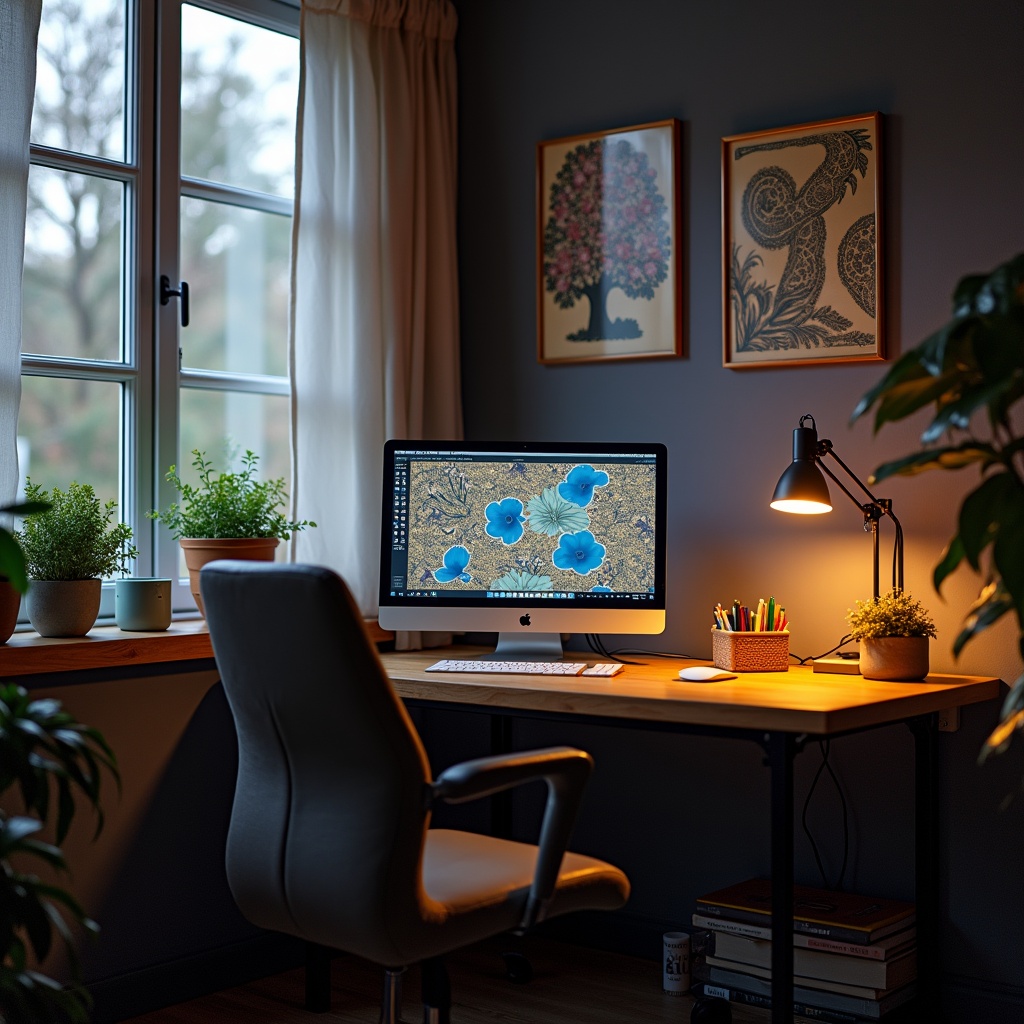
[{"x": 704, "y": 674}]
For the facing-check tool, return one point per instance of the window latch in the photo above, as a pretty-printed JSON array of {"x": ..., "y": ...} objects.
[{"x": 166, "y": 292}]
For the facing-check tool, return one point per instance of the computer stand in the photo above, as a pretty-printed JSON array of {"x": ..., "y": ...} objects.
[{"x": 527, "y": 647}]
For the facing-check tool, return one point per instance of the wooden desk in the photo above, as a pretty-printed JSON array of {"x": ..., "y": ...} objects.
[{"x": 780, "y": 711}]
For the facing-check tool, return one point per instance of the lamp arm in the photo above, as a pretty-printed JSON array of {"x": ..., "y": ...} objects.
[{"x": 873, "y": 510}]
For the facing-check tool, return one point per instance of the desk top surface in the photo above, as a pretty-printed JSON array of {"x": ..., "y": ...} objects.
[{"x": 799, "y": 701}]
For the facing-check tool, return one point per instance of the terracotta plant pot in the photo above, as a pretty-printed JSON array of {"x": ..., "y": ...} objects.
[
  {"x": 894, "y": 658},
  {"x": 200, "y": 550},
  {"x": 63, "y": 607},
  {"x": 10, "y": 603}
]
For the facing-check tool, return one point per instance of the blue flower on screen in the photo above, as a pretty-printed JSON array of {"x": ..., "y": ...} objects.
[
  {"x": 579, "y": 552},
  {"x": 505, "y": 520},
  {"x": 578, "y": 486},
  {"x": 455, "y": 561}
]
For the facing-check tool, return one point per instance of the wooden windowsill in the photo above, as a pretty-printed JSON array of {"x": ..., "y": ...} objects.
[{"x": 187, "y": 640}]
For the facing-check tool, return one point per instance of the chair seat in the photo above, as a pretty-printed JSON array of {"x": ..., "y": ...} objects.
[{"x": 483, "y": 882}]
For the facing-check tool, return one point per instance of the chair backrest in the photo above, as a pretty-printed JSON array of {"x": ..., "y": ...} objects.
[{"x": 329, "y": 816}]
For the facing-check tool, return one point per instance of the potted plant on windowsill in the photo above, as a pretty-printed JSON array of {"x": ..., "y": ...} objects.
[
  {"x": 893, "y": 630},
  {"x": 227, "y": 515},
  {"x": 69, "y": 549},
  {"x": 49, "y": 759}
]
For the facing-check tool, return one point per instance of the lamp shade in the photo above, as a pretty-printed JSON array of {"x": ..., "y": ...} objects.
[{"x": 802, "y": 487}]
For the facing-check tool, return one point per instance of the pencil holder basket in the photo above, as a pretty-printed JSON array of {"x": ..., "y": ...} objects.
[{"x": 750, "y": 652}]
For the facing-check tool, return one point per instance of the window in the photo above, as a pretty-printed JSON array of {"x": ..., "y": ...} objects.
[{"x": 162, "y": 146}]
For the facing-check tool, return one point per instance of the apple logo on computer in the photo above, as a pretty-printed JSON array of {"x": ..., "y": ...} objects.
[{"x": 524, "y": 620}]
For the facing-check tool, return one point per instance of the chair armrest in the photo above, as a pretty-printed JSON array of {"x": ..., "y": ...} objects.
[{"x": 564, "y": 769}]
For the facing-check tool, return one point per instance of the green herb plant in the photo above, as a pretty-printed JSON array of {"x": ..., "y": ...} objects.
[
  {"x": 74, "y": 538},
  {"x": 228, "y": 504},
  {"x": 48, "y": 758},
  {"x": 892, "y": 614},
  {"x": 970, "y": 375}
]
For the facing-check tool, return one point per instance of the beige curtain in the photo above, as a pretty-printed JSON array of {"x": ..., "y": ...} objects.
[
  {"x": 375, "y": 331},
  {"x": 19, "y": 30}
]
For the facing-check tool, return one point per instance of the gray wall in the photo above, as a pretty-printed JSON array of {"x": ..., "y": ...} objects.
[{"x": 949, "y": 85}]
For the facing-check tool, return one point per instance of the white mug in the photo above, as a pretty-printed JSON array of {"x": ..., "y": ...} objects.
[{"x": 676, "y": 963}]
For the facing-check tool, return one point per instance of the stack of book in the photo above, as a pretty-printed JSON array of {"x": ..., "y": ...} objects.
[{"x": 854, "y": 957}]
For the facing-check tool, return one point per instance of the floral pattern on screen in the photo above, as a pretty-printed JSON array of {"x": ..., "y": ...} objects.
[{"x": 531, "y": 526}]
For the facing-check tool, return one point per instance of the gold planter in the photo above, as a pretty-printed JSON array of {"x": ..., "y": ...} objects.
[
  {"x": 894, "y": 658},
  {"x": 200, "y": 550}
]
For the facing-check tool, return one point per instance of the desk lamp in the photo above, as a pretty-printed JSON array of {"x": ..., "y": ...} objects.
[{"x": 803, "y": 489}]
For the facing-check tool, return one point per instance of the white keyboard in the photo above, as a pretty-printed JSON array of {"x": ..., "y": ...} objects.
[{"x": 524, "y": 668}]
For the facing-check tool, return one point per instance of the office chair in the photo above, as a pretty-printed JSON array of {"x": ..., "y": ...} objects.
[{"x": 329, "y": 838}]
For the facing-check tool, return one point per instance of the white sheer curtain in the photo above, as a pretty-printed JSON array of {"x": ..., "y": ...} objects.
[
  {"x": 375, "y": 333},
  {"x": 19, "y": 30}
]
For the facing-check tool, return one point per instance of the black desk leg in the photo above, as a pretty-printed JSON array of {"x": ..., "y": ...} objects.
[
  {"x": 318, "y": 978},
  {"x": 781, "y": 749},
  {"x": 926, "y": 857},
  {"x": 501, "y": 803}
]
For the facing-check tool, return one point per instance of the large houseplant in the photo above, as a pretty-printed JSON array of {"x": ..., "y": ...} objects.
[
  {"x": 970, "y": 373},
  {"x": 893, "y": 630},
  {"x": 49, "y": 759},
  {"x": 230, "y": 514},
  {"x": 13, "y": 577},
  {"x": 68, "y": 550}
]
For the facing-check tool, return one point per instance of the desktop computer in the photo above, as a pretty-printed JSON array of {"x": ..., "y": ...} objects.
[{"x": 526, "y": 539}]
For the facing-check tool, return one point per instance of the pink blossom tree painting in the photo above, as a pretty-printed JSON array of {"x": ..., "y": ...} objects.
[{"x": 608, "y": 227}]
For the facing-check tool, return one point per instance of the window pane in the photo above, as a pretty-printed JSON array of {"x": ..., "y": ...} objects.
[
  {"x": 237, "y": 264},
  {"x": 79, "y": 104},
  {"x": 225, "y": 424},
  {"x": 71, "y": 430},
  {"x": 239, "y": 85},
  {"x": 72, "y": 285}
]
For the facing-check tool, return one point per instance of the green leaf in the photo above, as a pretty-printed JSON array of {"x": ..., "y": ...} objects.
[
  {"x": 955, "y": 457},
  {"x": 905, "y": 399},
  {"x": 907, "y": 368},
  {"x": 979, "y": 514},
  {"x": 12, "y": 562},
  {"x": 957, "y": 414},
  {"x": 951, "y": 558},
  {"x": 993, "y": 603}
]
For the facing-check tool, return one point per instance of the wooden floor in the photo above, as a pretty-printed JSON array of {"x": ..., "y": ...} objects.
[{"x": 571, "y": 985}]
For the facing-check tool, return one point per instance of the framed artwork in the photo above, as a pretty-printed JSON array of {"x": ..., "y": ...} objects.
[
  {"x": 609, "y": 280},
  {"x": 801, "y": 224}
]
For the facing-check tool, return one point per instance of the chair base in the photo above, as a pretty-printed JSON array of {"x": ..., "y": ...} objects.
[{"x": 437, "y": 999}]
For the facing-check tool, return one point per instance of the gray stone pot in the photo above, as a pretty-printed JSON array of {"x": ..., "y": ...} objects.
[{"x": 63, "y": 607}]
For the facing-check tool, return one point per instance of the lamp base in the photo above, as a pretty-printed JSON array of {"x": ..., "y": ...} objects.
[{"x": 838, "y": 666}]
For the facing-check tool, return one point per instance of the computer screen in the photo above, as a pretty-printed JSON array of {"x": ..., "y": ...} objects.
[{"x": 529, "y": 540}]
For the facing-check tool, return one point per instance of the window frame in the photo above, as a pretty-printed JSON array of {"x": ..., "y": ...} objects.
[{"x": 149, "y": 370}]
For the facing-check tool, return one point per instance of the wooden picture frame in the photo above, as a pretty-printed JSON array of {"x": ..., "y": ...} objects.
[
  {"x": 609, "y": 274},
  {"x": 801, "y": 231}
]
